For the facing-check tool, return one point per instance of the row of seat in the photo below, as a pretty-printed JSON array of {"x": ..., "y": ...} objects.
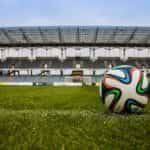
[{"x": 55, "y": 63}]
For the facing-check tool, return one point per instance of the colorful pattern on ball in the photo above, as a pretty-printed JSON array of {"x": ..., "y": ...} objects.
[{"x": 124, "y": 89}]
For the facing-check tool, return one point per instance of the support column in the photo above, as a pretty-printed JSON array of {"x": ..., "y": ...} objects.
[
  {"x": 123, "y": 55},
  {"x": 63, "y": 54},
  {"x": 92, "y": 54},
  {"x": 32, "y": 57},
  {"x": 3, "y": 56}
]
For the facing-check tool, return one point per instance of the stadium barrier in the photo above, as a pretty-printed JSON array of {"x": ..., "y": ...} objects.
[
  {"x": 16, "y": 84},
  {"x": 40, "y": 84},
  {"x": 67, "y": 84}
]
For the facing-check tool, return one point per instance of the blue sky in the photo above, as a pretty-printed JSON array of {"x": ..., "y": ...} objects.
[{"x": 74, "y": 12}]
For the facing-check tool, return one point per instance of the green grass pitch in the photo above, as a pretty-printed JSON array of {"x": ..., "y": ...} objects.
[{"x": 66, "y": 118}]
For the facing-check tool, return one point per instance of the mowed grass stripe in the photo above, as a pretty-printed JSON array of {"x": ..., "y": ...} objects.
[
  {"x": 19, "y": 98},
  {"x": 45, "y": 118}
]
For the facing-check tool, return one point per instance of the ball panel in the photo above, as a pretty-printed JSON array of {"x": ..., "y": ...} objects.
[
  {"x": 116, "y": 73},
  {"x": 124, "y": 67},
  {"x": 142, "y": 86},
  {"x": 124, "y": 79},
  {"x": 145, "y": 81},
  {"x": 132, "y": 106},
  {"x": 109, "y": 100},
  {"x": 117, "y": 94}
]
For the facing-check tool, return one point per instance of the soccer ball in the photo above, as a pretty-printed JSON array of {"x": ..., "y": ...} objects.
[{"x": 124, "y": 89}]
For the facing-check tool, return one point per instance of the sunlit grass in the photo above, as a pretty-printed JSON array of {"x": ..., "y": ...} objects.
[{"x": 68, "y": 118}]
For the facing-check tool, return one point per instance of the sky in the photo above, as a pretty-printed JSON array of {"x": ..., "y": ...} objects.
[{"x": 74, "y": 12}]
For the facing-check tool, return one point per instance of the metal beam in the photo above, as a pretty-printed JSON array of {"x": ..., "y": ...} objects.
[
  {"x": 60, "y": 35},
  {"x": 111, "y": 39},
  {"x": 146, "y": 39},
  {"x": 96, "y": 34},
  {"x": 26, "y": 38},
  {"x": 77, "y": 35},
  {"x": 132, "y": 35},
  {"x": 57, "y": 44},
  {"x": 100, "y": 35},
  {"x": 11, "y": 40},
  {"x": 43, "y": 37}
]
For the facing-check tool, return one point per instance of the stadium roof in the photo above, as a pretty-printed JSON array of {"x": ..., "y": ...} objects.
[{"x": 75, "y": 35}]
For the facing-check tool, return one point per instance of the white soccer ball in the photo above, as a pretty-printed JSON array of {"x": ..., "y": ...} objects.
[{"x": 125, "y": 89}]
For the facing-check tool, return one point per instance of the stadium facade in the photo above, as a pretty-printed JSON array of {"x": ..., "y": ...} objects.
[{"x": 44, "y": 55}]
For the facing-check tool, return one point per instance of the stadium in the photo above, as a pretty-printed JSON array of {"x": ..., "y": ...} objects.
[
  {"x": 65, "y": 54},
  {"x": 49, "y": 96}
]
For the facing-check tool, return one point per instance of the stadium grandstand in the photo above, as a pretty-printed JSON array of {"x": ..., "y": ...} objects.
[{"x": 46, "y": 55}]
